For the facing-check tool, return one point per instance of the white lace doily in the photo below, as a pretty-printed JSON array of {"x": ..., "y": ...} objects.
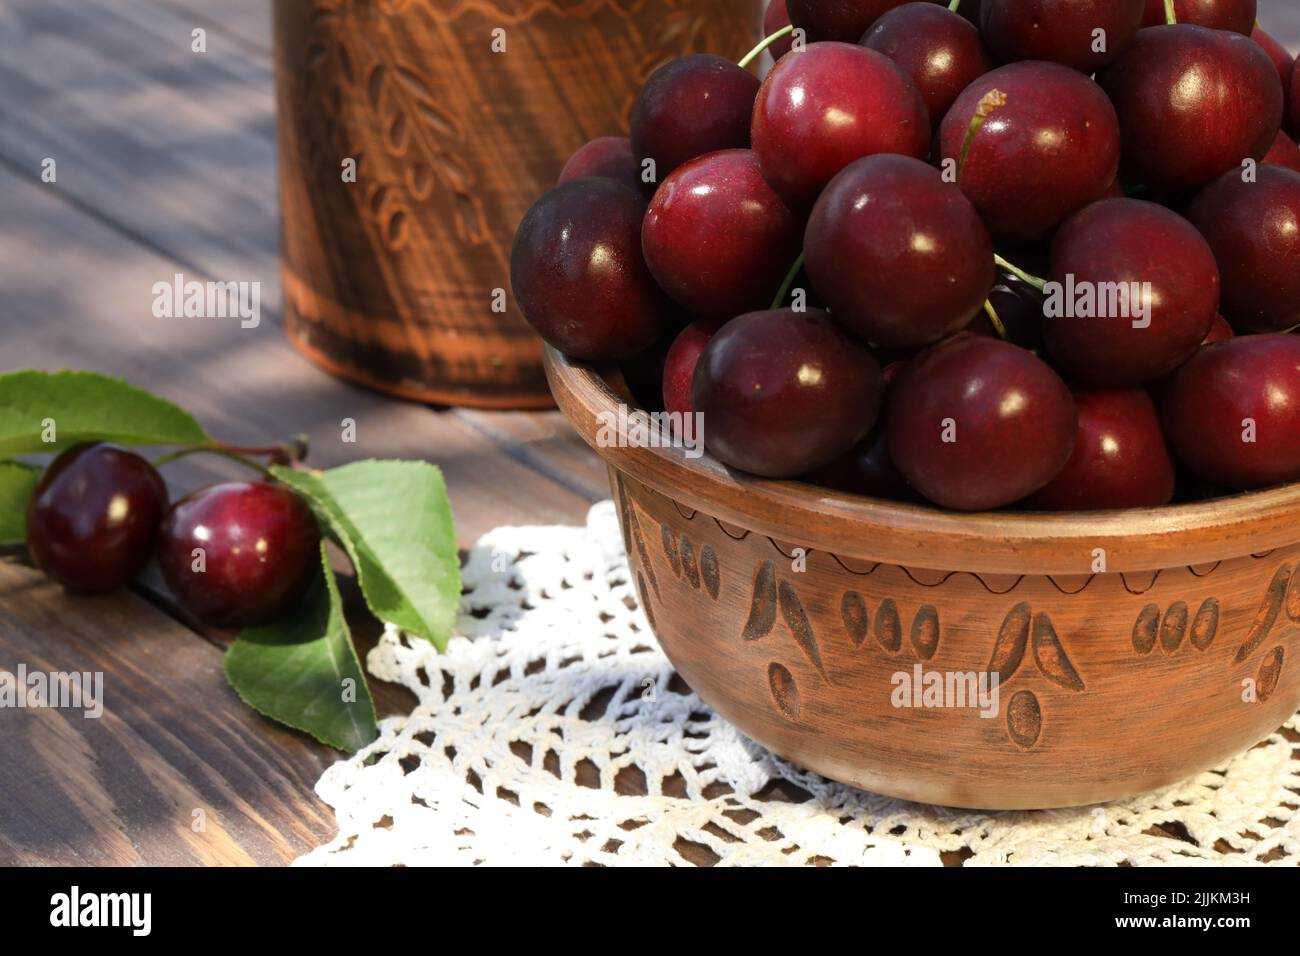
[{"x": 555, "y": 732}]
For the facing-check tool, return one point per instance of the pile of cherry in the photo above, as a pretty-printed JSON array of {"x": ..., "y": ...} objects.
[{"x": 908, "y": 178}]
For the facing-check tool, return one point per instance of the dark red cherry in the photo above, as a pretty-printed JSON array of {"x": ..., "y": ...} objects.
[
  {"x": 1281, "y": 58},
  {"x": 239, "y": 554},
  {"x": 1293, "y": 105},
  {"x": 1284, "y": 152},
  {"x": 690, "y": 106},
  {"x": 784, "y": 392},
  {"x": 679, "y": 369},
  {"x": 1192, "y": 103},
  {"x": 1220, "y": 331},
  {"x": 843, "y": 20},
  {"x": 1135, "y": 292},
  {"x": 1235, "y": 15},
  {"x": 717, "y": 238},
  {"x": 1062, "y": 31},
  {"x": 1119, "y": 458},
  {"x": 1254, "y": 230},
  {"x": 579, "y": 274},
  {"x": 833, "y": 103},
  {"x": 777, "y": 17},
  {"x": 866, "y": 469},
  {"x": 93, "y": 517},
  {"x": 972, "y": 10},
  {"x": 1019, "y": 308},
  {"x": 899, "y": 256},
  {"x": 1232, "y": 413},
  {"x": 942, "y": 53},
  {"x": 977, "y": 423},
  {"x": 644, "y": 373},
  {"x": 608, "y": 156},
  {"x": 1048, "y": 152}
]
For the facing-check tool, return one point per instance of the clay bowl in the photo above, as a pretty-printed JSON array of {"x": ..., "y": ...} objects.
[{"x": 1132, "y": 648}]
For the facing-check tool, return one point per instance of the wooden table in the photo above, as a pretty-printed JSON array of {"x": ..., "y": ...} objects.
[{"x": 165, "y": 165}]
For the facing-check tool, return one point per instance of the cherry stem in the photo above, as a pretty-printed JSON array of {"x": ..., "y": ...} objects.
[
  {"x": 789, "y": 281},
  {"x": 954, "y": 5},
  {"x": 1020, "y": 273},
  {"x": 233, "y": 455},
  {"x": 752, "y": 55},
  {"x": 992, "y": 101},
  {"x": 996, "y": 320},
  {"x": 290, "y": 452},
  {"x": 1171, "y": 16}
]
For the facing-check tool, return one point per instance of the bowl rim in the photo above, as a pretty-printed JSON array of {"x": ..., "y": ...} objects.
[{"x": 919, "y": 536}]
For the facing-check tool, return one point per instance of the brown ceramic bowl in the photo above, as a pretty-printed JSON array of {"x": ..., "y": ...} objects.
[{"x": 792, "y": 610}]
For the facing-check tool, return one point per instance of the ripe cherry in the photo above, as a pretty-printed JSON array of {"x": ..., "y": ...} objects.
[
  {"x": 690, "y": 106},
  {"x": 1049, "y": 151},
  {"x": 1232, "y": 413},
  {"x": 1284, "y": 152},
  {"x": 941, "y": 52},
  {"x": 833, "y": 103},
  {"x": 776, "y": 18},
  {"x": 93, "y": 517},
  {"x": 972, "y": 10},
  {"x": 1254, "y": 230},
  {"x": 579, "y": 274},
  {"x": 717, "y": 238},
  {"x": 843, "y": 20},
  {"x": 1166, "y": 293},
  {"x": 1119, "y": 458},
  {"x": 899, "y": 256},
  {"x": 679, "y": 369},
  {"x": 239, "y": 554},
  {"x": 1235, "y": 15},
  {"x": 1192, "y": 103},
  {"x": 1281, "y": 58},
  {"x": 977, "y": 423},
  {"x": 1220, "y": 331},
  {"x": 783, "y": 392},
  {"x": 608, "y": 156},
  {"x": 1293, "y": 105},
  {"x": 1019, "y": 308},
  {"x": 1062, "y": 31},
  {"x": 867, "y": 469}
]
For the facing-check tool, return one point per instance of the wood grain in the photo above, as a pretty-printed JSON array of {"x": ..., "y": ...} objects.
[
  {"x": 122, "y": 789},
  {"x": 90, "y": 307}
]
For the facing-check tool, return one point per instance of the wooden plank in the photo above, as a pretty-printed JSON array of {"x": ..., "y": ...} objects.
[
  {"x": 122, "y": 170},
  {"x": 175, "y": 146},
  {"x": 545, "y": 442},
  {"x": 89, "y": 305},
  {"x": 173, "y": 738},
  {"x": 247, "y": 21}
]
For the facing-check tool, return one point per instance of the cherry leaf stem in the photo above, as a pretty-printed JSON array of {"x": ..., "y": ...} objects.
[
  {"x": 291, "y": 453},
  {"x": 212, "y": 450},
  {"x": 789, "y": 281},
  {"x": 753, "y": 54},
  {"x": 1171, "y": 16},
  {"x": 996, "y": 320},
  {"x": 992, "y": 101},
  {"x": 1020, "y": 273}
]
